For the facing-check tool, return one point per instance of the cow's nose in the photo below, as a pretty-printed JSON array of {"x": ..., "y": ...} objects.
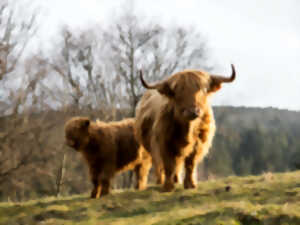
[{"x": 193, "y": 113}]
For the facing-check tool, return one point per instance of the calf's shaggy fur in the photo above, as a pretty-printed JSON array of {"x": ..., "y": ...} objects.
[
  {"x": 108, "y": 148},
  {"x": 175, "y": 123}
]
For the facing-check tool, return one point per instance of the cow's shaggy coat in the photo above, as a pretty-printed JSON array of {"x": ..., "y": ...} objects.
[
  {"x": 108, "y": 148},
  {"x": 175, "y": 123}
]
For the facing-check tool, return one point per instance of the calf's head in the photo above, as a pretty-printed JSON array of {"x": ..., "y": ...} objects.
[
  {"x": 188, "y": 90},
  {"x": 76, "y": 132}
]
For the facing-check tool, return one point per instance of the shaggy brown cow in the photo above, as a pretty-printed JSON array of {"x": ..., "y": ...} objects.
[
  {"x": 108, "y": 148},
  {"x": 175, "y": 122}
]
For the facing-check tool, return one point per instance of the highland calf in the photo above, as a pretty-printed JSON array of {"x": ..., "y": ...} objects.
[
  {"x": 108, "y": 148},
  {"x": 175, "y": 123}
]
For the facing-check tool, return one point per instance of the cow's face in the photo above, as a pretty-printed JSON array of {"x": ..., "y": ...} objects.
[
  {"x": 76, "y": 132},
  {"x": 188, "y": 91},
  {"x": 189, "y": 94}
]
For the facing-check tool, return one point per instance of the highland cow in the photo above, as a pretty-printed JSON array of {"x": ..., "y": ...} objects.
[
  {"x": 175, "y": 123},
  {"x": 108, "y": 148}
]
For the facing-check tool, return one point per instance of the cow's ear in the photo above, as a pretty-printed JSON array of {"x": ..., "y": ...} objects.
[
  {"x": 166, "y": 90},
  {"x": 214, "y": 86}
]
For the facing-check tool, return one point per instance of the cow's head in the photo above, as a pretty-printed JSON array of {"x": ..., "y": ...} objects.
[
  {"x": 76, "y": 132},
  {"x": 188, "y": 90}
]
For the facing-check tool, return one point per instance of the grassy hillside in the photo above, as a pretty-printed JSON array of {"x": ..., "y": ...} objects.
[{"x": 253, "y": 200}]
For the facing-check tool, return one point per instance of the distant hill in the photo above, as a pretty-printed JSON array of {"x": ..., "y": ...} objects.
[
  {"x": 254, "y": 140},
  {"x": 268, "y": 118}
]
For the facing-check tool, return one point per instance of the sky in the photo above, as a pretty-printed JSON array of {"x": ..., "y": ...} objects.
[{"x": 260, "y": 37}]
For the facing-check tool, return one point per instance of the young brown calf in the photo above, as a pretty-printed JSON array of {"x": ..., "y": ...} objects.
[{"x": 108, "y": 148}]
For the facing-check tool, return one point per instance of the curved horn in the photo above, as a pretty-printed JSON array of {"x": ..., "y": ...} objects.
[
  {"x": 144, "y": 83},
  {"x": 222, "y": 79}
]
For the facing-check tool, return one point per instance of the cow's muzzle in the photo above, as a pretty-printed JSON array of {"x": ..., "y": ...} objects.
[{"x": 192, "y": 114}]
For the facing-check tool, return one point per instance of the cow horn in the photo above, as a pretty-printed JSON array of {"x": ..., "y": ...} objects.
[
  {"x": 221, "y": 79},
  {"x": 144, "y": 83}
]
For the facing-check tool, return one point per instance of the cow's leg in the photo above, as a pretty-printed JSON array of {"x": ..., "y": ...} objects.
[
  {"x": 105, "y": 184},
  {"x": 157, "y": 163},
  {"x": 106, "y": 176},
  {"x": 170, "y": 164},
  {"x": 96, "y": 192},
  {"x": 142, "y": 171},
  {"x": 160, "y": 174},
  {"x": 177, "y": 171},
  {"x": 190, "y": 171}
]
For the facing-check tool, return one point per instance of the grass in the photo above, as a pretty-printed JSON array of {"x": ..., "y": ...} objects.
[{"x": 253, "y": 200}]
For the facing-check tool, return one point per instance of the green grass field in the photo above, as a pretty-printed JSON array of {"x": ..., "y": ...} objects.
[{"x": 253, "y": 200}]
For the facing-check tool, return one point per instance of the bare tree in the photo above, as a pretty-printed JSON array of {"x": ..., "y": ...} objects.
[
  {"x": 80, "y": 70},
  {"x": 99, "y": 67},
  {"x": 18, "y": 82},
  {"x": 15, "y": 34},
  {"x": 16, "y": 127},
  {"x": 60, "y": 175},
  {"x": 132, "y": 43}
]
